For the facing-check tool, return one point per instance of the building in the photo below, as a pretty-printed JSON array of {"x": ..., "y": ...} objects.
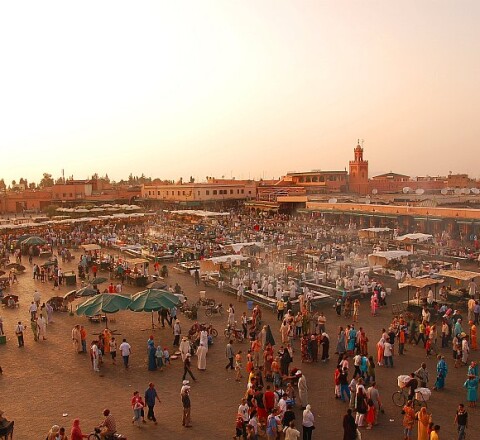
[
  {"x": 220, "y": 192},
  {"x": 358, "y": 175}
]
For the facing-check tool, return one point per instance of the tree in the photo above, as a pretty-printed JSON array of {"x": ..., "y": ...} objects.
[
  {"x": 14, "y": 182},
  {"x": 46, "y": 181},
  {"x": 192, "y": 179},
  {"x": 32, "y": 185},
  {"x": 2, "y": 184}
]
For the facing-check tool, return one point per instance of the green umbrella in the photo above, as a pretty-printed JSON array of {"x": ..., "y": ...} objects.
[
  {"x": 152, "y": 300},
  {"x": 33, "y": 241},
  {"x": 98, "y": 280},
  {"x": 86, "y": 291},
  {"x": 104, "y": 303}
]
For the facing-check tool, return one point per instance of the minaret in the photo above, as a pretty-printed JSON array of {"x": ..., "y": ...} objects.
[{"x": 358, "y": 176}]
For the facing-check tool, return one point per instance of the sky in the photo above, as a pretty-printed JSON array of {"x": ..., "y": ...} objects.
[{"x": 244, "y": 89}]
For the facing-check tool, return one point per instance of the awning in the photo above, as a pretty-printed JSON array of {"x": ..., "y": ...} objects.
[
  {"x": 463, "y": 275},
  {"x": 420, "y": 283},
  {"x": 90, "y": 247}
]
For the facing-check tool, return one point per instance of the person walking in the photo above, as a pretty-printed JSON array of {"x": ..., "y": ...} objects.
[
  {"x": 186, "y": 367},
  {"x": 471, "y": 385},
  {"x": 442, "y": 371},
  {"x": 137, "y": 406},
  {"x": 202, "y": 357},
  {"x": 19, "y": 330},
  {"x": 126, "y": 350},
  {"x": 83, "y": 338},
  {"x": 186, "y": 404},
  {"x": 349, "y": 426},
  {"x": 150, "y": 396},
  {"x": 302, "y": 389},
  {"x": 461, "y": 420},
  {"x": 230, "y": 355},
  {"x": 408, "y": 420},
  {"x": 177, "y": 331},
  {"x": 76, "y": 338},
  {"x": 95, "y": 355},
  {"x": 308, "y": 423}
]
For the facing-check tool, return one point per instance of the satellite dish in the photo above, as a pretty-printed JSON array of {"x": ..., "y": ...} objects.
[
  {"x": 475, "y": 191},
  {"x": 406, "y": 190},
  {"x": 374, "y": 191},
  {"x": 457, "y": 191},
  {"x": 332, "y": 201},
  {"x": 444, "y": 191},
  {"x": 466, "y": 190},
  {"x": 472, "y": 190},
  {"x": 419, "y": 191},
  {"x": 367, "y": 200}
]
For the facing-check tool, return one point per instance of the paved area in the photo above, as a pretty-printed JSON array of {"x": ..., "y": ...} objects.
[{"x": 46, "y": 383}]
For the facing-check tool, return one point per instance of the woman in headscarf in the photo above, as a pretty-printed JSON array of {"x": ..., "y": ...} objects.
[
  {"x": 152, "y": 360},
  {"x": 52, "y": 434},
  {"x": 202, "y": 357},
  {"x": 76, "y": 432},
  {"x": 341, "y": 344},
  {"x": 380, "y": 351},
  {"x": 442, "y": 371},
  {"x": 308, "y": 423},
  {"x": 424, "y": 420},
  {"x": 325, "y": 343},
  {"x": 471, "y": 384},
  {"x": 349, "y": 426}
]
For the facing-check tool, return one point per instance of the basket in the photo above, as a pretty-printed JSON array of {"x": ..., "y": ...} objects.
[
  {"x": 423, "y": 394},
  {"x": 402, "y": 380}
]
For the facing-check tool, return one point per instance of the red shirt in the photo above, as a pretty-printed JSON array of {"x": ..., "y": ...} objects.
[{"x": 269, "y": 400}]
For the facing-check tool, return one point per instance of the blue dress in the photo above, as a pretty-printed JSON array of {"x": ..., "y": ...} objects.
[
  {"x": 442, "y": 371},
  {"x": 472, "y": 386},
  {"x": 352, "y": 339},
  {"x": 152, "y": 361}
]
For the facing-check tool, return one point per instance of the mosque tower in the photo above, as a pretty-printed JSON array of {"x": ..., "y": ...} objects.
[{"x": 358, "y": 176}]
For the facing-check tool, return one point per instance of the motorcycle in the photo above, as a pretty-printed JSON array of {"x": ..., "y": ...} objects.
[
  {"x": 234, "y": 333},
  {"x": 95, "y": 435},
  {"x": 213, "y": 309}
]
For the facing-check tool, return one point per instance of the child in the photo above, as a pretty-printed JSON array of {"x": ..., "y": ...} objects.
[
  {"x": 370, "y": 414},
  {"x": 428, "y": 346},
  {"x": 159, "y": 356},
  {"x": 239, "y": 427},
  {"x": 113, "y": 350},
  {"x": 238, "y": 366},
  {"x": 166, "y": 356}
]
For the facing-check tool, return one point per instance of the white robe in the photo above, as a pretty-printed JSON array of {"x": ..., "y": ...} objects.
[
  {"x": 303, "y": 390},
  {"x": 42, "y": 326},
  {"x": 204, "y": 339},
  {"x": 202, "y": 357},
  {"x": 184, "y": 349}
]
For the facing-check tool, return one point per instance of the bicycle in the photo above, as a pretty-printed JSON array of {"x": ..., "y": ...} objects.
[{"x": 400, "y": 398}]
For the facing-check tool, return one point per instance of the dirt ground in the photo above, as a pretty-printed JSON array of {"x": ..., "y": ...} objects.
[{"x": 46, "y": 383}]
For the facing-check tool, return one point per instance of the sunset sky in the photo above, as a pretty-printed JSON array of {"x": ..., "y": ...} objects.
[{"x": 238, "y": 88}]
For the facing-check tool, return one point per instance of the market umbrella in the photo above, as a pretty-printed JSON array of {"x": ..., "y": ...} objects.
[
  {"x": 16, "y": 266},
  {"x": 86, "y": 291},
  {"x": 33, "y": 241},
  {"x": 157, "y": 285},
  {"x": 152, "y": 300},
  {"x": 104, "y": 303},
  {"x": 98, "y": 280}
]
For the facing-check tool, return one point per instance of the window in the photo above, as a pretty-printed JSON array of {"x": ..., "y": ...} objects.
[
  {"x": 308, "y": 179},
  {"x": 208, "y": 192},
  {"x": 158, "y": 193},
  {"x": 71, "y": 195},
  {"x": 249, "y": 192},
  {"x": 314, "y": 179},
  {"x": 363, "y": 175},
  {"x": 178, "y": 193},
  {"x": 301, "y": 180},
  {"x": 167, "y": 193},
  {"x": 238, "y": 191},
  {"x": 183, "y": 193},
  {"x": 231, "y": 191},
  {"x": 198, "y": 192},
  {"x": 214, "y": 192},
  {"x": 243, "y": 191},
  {"x": 322, "y": 179}
]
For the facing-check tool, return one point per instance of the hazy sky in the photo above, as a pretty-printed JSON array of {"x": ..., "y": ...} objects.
[{"x": 242, "y": 88}]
